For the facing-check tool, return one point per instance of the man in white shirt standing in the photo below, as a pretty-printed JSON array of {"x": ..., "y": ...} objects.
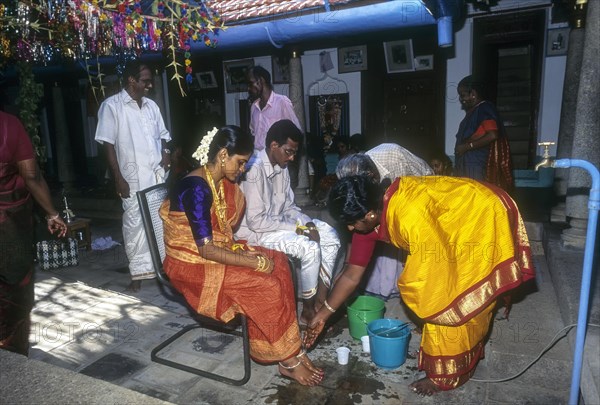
[
  {"x": 132, "y": 130},
  {"x": 268, "y": 107},
  {"x": 274, "y": 221}
]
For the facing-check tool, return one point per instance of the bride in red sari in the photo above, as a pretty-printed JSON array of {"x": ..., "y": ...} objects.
[{"x": 221, "y": 277}]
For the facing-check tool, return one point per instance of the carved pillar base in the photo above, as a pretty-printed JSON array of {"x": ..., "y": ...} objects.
[
  {"x": 575, "y": 236},
  {"x": 586, "y": 135},
  {"x": 558, "y": 213}
]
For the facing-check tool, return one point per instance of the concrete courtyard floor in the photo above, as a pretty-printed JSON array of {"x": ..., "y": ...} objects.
[{"x": 85, "y": 321}]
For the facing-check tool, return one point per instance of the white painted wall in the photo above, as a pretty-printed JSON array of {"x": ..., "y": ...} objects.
[
  {"x": 457, "y": 68},
  {"x": 311, "y": 74},
  {"x": 553, "y": 79},
  {"x": 315, "y": 82},
  {"x": 553, "y": 71}
]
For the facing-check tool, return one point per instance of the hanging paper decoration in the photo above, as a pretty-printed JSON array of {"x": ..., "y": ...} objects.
[{"x": 44, "y": 32}]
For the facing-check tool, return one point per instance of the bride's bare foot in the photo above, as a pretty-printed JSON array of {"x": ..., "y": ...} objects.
[
  {"x": 294, "y": 368},
  {"x": 309, "y": 364},
  {"x": 424, "y": 386}
]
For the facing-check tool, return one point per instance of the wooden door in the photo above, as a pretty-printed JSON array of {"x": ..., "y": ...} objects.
[
  {"x": 409, "y": 114},
  {"x": 507, "y": 55},
  {"x": 514, "y": 101}
]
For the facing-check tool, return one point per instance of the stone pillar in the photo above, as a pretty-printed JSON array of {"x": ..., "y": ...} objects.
[
  {"x": 297, "y": 98},
  {"x": 64, "y": 153},
  {"x": 567, "y": 119},
  {"x": 586, "y": 137}
]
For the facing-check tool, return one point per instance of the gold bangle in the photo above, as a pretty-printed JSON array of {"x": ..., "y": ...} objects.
[
  {"x": 52, "y": 217},
  {"x": 260, "y": 264},
  {"x": 263, "y": 264},
  {"x": 329, "y": 307}
]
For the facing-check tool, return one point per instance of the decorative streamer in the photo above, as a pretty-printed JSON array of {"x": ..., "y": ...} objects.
[{"x": 54, "y": 31}]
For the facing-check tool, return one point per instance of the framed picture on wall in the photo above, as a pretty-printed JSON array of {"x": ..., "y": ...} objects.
[
  {"x": 206, "y": 80},
  {"x": 280, "y": 66},
  {"x": 352, "y": 59},
  {"x": 557, "y": 42},
  {"x": 399, "y": 56},
  {"x": 235, "y": 75},
  {"x": 424, "y": 62}
]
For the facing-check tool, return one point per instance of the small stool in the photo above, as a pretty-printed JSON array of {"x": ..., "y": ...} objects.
[{"x": 79, "y": 229}]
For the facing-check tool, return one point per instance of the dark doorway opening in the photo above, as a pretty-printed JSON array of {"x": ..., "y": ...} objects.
[{"x": 507, "y": 55}]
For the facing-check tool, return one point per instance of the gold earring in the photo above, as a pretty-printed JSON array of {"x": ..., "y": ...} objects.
[
  {"x": 372, "y": 215},
  {"x": 222, "y": 162}
]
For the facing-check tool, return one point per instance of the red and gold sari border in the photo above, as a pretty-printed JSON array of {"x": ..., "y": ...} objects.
[
  {"x": 447, "y": 384},
  {"x": 521, "y": 240},
  {"x": 282, "y": 349},
  {"x": 449, "y": 367},
  {"x": 387, "y": 196},
  {"x": 506, "y": 276},
  {"x": 213, "y": 282},
  {"x": 230, "y": 313}
]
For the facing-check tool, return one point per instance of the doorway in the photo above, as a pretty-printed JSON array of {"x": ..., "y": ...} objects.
[{"x": 507, "y": 55}]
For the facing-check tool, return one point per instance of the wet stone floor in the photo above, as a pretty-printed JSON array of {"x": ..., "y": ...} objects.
[{"x": 108, "y": 334}]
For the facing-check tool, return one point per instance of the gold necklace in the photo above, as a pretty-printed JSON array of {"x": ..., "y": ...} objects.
[{"x": 218, "y": 199}]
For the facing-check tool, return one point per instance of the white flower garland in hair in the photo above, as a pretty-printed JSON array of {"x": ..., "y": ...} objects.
[{"x": 201, "y": 153}]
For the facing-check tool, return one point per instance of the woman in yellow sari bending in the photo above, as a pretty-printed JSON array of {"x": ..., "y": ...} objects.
[
  {"x": 220, "y": 277},
  {"x": 467, "y": 245}
]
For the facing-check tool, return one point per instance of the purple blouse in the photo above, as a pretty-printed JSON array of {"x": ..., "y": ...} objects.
[{"x": 193, "y": 196}]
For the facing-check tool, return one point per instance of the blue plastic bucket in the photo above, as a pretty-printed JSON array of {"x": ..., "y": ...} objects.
[
  {"x": 363, "y": 310},
  {"x": 389, "y": 342}
]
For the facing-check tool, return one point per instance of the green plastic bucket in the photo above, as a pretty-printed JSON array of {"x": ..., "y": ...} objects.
[{"x": 363, "y": 310}]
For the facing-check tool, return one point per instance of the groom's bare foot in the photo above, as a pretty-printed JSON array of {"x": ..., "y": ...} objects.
[
  {"x": 299, "y": 372},
  {"x": 134, "y": 286},
  {"x": 308, "y": 311},
  {"x": 424, "y": 386}
]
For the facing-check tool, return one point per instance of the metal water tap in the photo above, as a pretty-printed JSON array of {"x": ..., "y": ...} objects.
[{"x": 546, "y": 159}]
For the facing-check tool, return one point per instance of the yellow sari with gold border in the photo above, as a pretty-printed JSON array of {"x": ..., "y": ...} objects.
[{"x": 466, "y": 245}]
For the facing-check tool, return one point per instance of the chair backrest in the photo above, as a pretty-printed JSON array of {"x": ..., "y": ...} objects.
[{"x": 150, "y": 200}]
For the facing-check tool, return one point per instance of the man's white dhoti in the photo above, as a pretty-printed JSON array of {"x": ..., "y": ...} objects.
[
  {"x": 317, "y": 259},
  {"x": 136, "y": 244}
]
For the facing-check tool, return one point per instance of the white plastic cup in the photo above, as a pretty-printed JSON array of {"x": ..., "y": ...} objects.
[
  {"x": 343, "y": 354},
  {"x": 365, "y": 344}
]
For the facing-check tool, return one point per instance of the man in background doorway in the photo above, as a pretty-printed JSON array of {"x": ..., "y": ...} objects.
[
  {"x": 132, "y": 130},
  {"x": 268, "y": 107}
]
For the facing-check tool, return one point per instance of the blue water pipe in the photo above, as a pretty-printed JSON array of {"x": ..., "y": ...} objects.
[{"x": 588, "y": 258}]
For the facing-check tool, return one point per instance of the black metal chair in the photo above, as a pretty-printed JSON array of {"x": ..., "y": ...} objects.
[{"x": 150, "y": 201}]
